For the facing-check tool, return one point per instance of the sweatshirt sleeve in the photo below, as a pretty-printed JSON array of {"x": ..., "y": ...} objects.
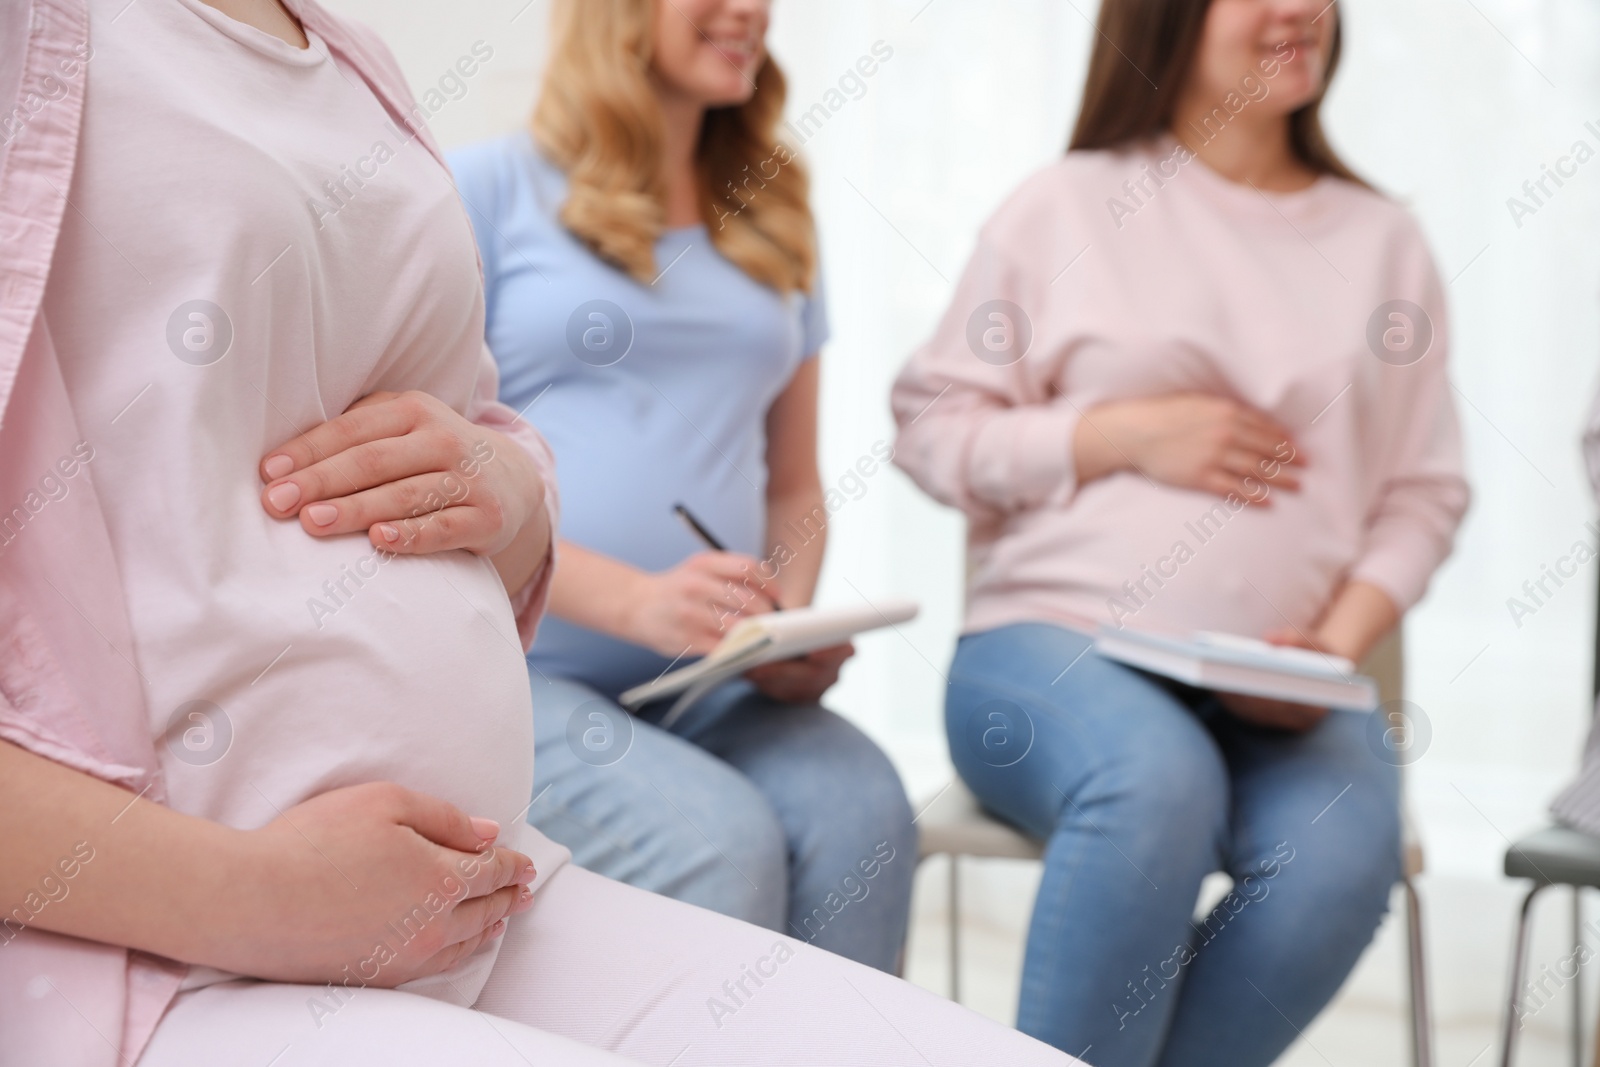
[
  {"x": 1422, "y": 492},
  {"x": 527, "y": 604},
  {"x": 980, "y": 428}
]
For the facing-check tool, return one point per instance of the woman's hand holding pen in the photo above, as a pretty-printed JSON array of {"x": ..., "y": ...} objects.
[
  {"x": 688, "y": 609},
  {"x": 801, "y": 680}
]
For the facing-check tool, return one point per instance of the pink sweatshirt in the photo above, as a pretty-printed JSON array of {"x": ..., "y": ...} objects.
[
  {"x": 1141, "y": 273},
  {"x": 92, "y": 653}
]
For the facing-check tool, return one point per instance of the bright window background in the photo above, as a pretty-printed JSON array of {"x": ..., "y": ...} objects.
[{"x": 1449, "y": 105}]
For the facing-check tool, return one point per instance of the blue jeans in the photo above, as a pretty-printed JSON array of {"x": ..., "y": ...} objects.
[
  {"x": 1140, "y": 788},
  {"x": 784, "y": 815}
]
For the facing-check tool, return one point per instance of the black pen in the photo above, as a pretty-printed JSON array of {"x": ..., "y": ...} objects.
[
  {"x": 710, "y": 539},
  {"x": 697, "y": 529}
]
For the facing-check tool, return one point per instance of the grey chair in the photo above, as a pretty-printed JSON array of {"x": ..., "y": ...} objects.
[
  {"x": 1555, "y": 855},
  {"x": 1552, "y": 856},
  {"x": 954, "y": 824}
]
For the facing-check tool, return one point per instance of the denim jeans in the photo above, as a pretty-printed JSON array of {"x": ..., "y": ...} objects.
[
  {"x": 1140, "y": 788},
  {"x": 784, "y": 815}
]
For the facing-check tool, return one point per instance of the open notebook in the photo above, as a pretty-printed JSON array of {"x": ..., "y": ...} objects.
[
  {"x": 765, "y": 639},
  {"x": 1236, "y": 664}
]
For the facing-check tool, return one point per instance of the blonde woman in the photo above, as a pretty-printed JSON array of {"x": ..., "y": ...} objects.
[
  {"x": 654, "y": 303},
  {"x": 237, "y": 829}
]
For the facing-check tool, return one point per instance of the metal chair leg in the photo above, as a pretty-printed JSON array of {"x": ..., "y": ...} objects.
[
  {"x": 1421, "y": 1015},
  {"x": 1577, "y": 977},
  {"x": 1519, "y": 961},
  {"x": 955, "y": 928}
]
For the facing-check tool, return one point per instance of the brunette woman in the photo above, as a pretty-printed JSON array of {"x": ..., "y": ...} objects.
[{"x": 1193, "y": 379}]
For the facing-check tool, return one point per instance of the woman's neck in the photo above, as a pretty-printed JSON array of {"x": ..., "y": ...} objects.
[
  {"x": 682, "y": 120},
  {"x": 269, "y": 16},
  {"x": 1250, "y": 150}
]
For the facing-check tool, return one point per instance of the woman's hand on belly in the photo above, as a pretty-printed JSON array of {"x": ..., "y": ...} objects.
[
  {"x": 373, "y": 883},
  {"x": 1189, "y": 441},
  {"x": 418, "y": 477}
]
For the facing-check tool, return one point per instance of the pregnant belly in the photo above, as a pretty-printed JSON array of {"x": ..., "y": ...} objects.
[
  {"x": 1127, "y": 552},
  {"x": 338, "y": 666}
]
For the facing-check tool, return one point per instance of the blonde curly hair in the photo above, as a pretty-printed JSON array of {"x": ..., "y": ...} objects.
[{"x": 599, "y": 120}]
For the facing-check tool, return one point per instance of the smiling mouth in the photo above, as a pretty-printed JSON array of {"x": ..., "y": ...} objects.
[
  {"x": 1299, "y": 44},
  {"x": 740, "y": 50}
]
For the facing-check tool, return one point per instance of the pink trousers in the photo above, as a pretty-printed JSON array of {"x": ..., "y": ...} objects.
[{"x": 599, "y": 973}]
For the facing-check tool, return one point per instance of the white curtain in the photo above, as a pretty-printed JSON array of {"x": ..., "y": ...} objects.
[{"x": 1450, "y": 106}]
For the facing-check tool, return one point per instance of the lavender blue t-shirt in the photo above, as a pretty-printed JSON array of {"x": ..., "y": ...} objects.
[{"x": 649, "y": 394}]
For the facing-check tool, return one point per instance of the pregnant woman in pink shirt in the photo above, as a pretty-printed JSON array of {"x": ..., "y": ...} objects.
[
  {"x": 1193, "y": 378},
  {"x": 270, "y": 557}
]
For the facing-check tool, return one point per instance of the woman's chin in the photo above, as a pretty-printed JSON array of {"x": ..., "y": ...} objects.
[{"x": 736, "y": 94}]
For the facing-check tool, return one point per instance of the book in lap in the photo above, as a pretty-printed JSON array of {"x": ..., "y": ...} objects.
[
  {"x": 1233, "y": 664},
  {"x": 765, "y": 639}
]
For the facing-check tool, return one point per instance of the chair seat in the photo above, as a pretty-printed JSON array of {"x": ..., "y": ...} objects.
[
  {"x": 956, "y": 823},
  {"x": 1556, "y": 855}
]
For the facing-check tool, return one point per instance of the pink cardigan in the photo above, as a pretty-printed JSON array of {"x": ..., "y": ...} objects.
[{"x": 68, "y": 690}]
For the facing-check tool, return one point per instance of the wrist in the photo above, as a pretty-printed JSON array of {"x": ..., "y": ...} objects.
[
  {"x": 209, "y": 900},
  {"x": 527, "y": 482},
  {"x": 1341, "y": 645},
  {"x": 1098, "y": 448},
  {"x": 1360, "y": 617},
  {"x": 629, "y": 598}
]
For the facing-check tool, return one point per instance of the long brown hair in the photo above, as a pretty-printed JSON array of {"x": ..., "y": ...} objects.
[
  {"x": 1142, "y": 57},
  {"x": 599, "y": 120}
]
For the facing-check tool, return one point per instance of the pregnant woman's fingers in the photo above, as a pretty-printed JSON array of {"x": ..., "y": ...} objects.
[
  {"x": 489, "y": 872},
  {"x": 474, "y": 923},
  {"x": 1252, "y": 475},
  {"x": 464, "y": 526},
  {"x": 373, "y": 418},
  {"x": 470, "y": 918},
  {"x": 362, "y": 466},
  {"x": 1272, "y": 447},
  {"x": 338, "y": 871},
  {"x": 1264, "y": 433},
  {"x": 440, "y": 821},
  {"x": 409, "y": 503},
  {"x": 411, "y": 471}
]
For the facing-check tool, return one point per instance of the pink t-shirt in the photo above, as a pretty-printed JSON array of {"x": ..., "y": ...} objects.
[
  {"x": 319, "y": 261},
  {"x": 1116, "y": 275}
]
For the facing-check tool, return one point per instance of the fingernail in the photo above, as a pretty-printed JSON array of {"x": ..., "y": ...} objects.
[
  {"x": 487, "y": 829},
  {"x": 525, "y": 895},
  {"x": 322, "y": 514},
  {"x": 529, "y": 873},
  {"x": 498, "y": 928},
  {"x": 277, "y": 466},
  {"x": 285, "y": 496},
  {"x": 390, "y": 533}
]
